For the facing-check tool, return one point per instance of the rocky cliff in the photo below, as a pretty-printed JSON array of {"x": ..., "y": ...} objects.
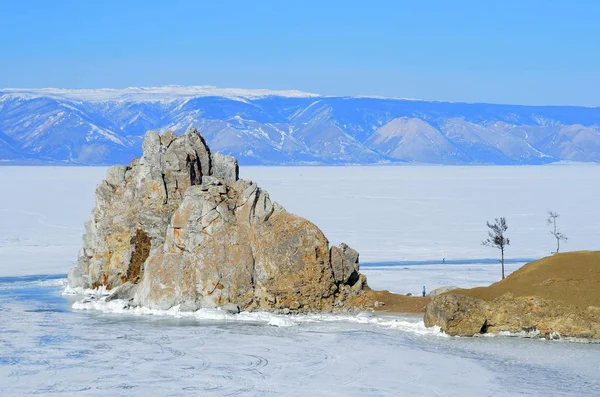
[
  {"x": 555, "y": 296},
  {"x": 178, "y": 228}
]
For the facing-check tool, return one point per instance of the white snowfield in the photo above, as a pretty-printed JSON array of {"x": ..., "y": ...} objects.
[
  {"x": 387, "y": 213},
  {"x": 428, "y": 213},
  {"x": 69, "y": 345},
  {"x": 157, "y": 94}
]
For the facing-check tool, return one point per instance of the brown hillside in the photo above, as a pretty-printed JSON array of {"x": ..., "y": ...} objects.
[{"x": 572, "y": 278}]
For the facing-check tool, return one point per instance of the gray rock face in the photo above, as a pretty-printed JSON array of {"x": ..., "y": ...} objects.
[
  {"x": 225, "y": 167},
  {"x": 344, "y": 262},
  {"x": 178, "y": 228}
]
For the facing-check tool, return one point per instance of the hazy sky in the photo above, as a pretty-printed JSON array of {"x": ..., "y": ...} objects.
[{"x": 526, "y": 52}]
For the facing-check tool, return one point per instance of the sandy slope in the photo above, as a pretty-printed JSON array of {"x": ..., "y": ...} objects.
[{"x": 572, "y": 278}]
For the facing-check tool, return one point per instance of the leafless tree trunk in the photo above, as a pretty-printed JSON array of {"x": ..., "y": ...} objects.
[
  {"x": 496, "y": 238},
  {"x": 502, "y": 249},
  {"x": 552, "y": 216}
]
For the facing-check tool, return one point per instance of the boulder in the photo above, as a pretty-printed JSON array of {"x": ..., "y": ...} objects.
[
  {"x": 178, "y": 228},
  {"x": 441, "y": 290},
  {"x": 456, "y": 315},
  {"x": 231, "y": 308},
  {"x": 344, "y": 262},
  {"x": 124, "y": 291}
]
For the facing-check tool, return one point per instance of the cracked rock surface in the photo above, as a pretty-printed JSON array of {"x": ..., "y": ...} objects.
[{"x": 177, "y": 227}]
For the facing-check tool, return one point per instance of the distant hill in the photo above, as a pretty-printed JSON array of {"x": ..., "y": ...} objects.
[
  {"x": 106, "y": 126},
  {"x": 9, "y": 151}
]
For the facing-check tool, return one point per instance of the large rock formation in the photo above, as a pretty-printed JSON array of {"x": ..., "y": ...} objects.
[
  {"x": 557, "y": 295},
  {"x": 178, "y": 228}
]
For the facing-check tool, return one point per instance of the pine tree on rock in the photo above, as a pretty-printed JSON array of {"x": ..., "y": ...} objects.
[{"x": 496, "y": 238}]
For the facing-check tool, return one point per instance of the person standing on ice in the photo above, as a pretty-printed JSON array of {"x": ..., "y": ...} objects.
[{"x": 424, "y": 291}]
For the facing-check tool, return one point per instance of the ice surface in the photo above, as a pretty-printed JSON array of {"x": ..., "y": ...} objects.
[
  {"x": 403, "y": 220},
  {"x": 46, "y": 348},
  {"x": 96, "y": 300},
  {"x": 398, "y": 214},
  {"x": 42, "y": 210},
  {"x": 427, "y": 213},
  {"x": 405, "y": 279}
]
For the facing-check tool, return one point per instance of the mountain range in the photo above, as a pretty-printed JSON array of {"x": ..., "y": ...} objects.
[{"x": 106, "y": 126}]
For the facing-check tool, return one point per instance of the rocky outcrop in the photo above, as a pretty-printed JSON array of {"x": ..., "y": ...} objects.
[
  {"x": 178, "y": 228},
  {"x": 558, "y": 295},
  {"x": 456, "y": 315},
  {"x": 467, "y": 316}
]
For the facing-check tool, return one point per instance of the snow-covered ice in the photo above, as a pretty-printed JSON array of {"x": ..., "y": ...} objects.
[
  {"x": 48, "y": 348},
  {"x": 42, "y": 210},
  {"x": 428, "y": 213},
  {"x": 413, "y": 225}
]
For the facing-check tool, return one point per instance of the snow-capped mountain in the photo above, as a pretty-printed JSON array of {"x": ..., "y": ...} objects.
[{"x": 106, "y": 126}]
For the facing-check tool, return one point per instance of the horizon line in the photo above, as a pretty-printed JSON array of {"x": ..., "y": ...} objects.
[{"x": 242, "y": 93}]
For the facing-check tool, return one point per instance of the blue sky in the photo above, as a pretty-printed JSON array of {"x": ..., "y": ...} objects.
[{"x": 525, "y": 52}]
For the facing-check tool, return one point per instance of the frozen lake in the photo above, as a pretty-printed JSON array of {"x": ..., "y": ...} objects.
[
  {"x": 399, "y": 214},
  {"x": 429, "y": 213},
  {"x": 404, "y": 220}
]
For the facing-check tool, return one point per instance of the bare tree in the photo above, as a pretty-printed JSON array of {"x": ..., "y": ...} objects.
[
  {"x": 552, "y": 216},
  {"x": 496, "y": 237}
]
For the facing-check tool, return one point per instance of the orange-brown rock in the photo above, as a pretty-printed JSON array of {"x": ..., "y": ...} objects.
[{"x": 177, "y": 228}]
